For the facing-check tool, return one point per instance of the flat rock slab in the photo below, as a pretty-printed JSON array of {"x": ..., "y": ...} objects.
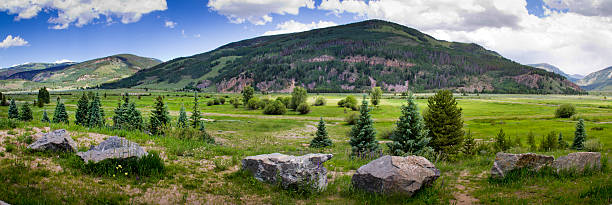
[
  {"x": 578, "y": 161},
  {"x": 506, "y": 162},
  {"x": 393, "y": 174},
  {"x": 290, "y": 170},
  {"x": 112, "y": 148},
  {"x": 57, "y": 140}
]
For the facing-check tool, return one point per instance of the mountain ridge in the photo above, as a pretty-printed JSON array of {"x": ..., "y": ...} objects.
[
  {"x": 598, "y": 81},
  {"x": 551, "y": 68}
]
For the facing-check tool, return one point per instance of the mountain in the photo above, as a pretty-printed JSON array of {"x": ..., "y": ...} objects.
[
  {"x": 599, "y": 81},
  {"x": 6, "y": 72},
  {"x": 349, "y": 58},
  {"x": 551, "y": 68},
  {"x": 85, "y": 74}
]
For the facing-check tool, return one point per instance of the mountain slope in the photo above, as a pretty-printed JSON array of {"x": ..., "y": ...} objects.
[
  {"x": 554, "y": 69},
  {"x": 599, "y": 81},
  {"x": 349, "y": 58},
  {"x": 6, "y": 72}
]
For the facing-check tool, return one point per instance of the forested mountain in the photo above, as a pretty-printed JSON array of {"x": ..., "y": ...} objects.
[
  {"x": 349, "y": 58},
  {"x": 6, "y": 72},
  {"x": 554, "y": 69},
  {"x": 599, "y": 81}
]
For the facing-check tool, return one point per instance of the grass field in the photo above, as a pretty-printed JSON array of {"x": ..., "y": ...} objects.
[{"x": 203, "y": 173}]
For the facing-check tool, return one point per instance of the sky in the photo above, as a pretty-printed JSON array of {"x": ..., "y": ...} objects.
[{"x": 574, "y": 35}]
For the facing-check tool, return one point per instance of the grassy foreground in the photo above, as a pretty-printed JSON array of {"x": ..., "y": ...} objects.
[{"x": 196, "y": 172}]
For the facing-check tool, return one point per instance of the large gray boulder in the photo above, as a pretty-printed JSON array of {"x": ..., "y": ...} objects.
[
  {"x": 578, "y": 161},
  {"x": 290, "y": 170},
  {"x": 57, "y": 140},
  {"x": 113, "y": 148},
  {"x": 506, "y": 162},
  {"x": 393, "y": 174}
]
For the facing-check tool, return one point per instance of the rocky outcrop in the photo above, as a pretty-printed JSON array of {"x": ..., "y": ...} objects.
[
  {"x": 578, "y": 161},
  {"x": 57, "y": 140},
  {"x": 290, "y": 170},
  {"x": 393, "y": 174},
  {"x": 506, "y": 162},
  {"x": 113, "y": 148}
]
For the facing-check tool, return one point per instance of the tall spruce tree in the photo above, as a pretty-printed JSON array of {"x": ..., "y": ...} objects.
[
  {"x": 195, "y": 115},
  {"x": 247, "y": 94},
  {"x": 45, "y": 117},
  {"x": 13, "y": 111},
  {"x": 363, "y": 135},
  {"x": 127, "y": 116},
  {"x": 321, "y": 139},
  {"x": 60, "y": 115},
  {"x": 134, "y": 117},
  {"x": 182, "y": 119},
  {"x": 43, "y": 96},
  {"x": 160, "y": 116},
  {"x": 443, "y": 120},
  {"x": 410, "y": 136},
  {"x": 26, "y": 113},
  {"x": 82, "y": 112},
  {"x": 95, "y": 113},
  {"x": 579, "y": 136}
]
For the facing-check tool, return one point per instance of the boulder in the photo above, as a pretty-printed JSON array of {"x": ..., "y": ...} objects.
[
  {"x": 112, "y": 148},
  {"x": 506, "y": 162},
  {"x": 290, "y": 170},
  {"x": 393, "y": 174},
  {"x": 57, "y": 140},
  {"x": 578, "y": 161}
]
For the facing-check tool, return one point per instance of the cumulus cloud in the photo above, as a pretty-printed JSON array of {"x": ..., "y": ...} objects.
[
  {"x": 170, "y": 24},
  {"x": 577, "y": 43},
  {"x": 584, "y": 7},
  {"x": 257, "y": 11},
  {"x": 294, "y": 26},
  {"x": 63, "y": 61},
  {"x": 82, "y": 12},
  {"x": 11, "y": 41}
]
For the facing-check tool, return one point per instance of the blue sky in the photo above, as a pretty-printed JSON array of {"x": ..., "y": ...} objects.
[{"x": 196, "y": 26}]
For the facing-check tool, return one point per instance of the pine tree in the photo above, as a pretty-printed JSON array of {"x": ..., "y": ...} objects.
[
  {"x": 60, "y": 115},
  {"x": 363, "y": 135},
  {"x": 500, "y": 141},
  {"x": 43, "y": 96},
  {"x": 579, "y": 136},
  {"x": 469, "y": 144},
  {"x": 562, "y": 143},
  {"x": 159, "y": 116},
  {"x": 247, "y": 94},
  {"x": 45, "y": 117},
  {"x": 26, "y": 113},
  {"x": 46, "y": 96},
  {"x": 321, "y": 139},
  {"x": 182, "y": 119},
  {"x": 549, "y": 142},
  {"x": 531, "y": 141},
  {"x": 443, "y": 120},
  {"x": 13, "y": 111},
  {"x": 410, "y": 136},
  {"x": 3, "y": 101},
  {"x": 82, "y": 113},
  {"x": 95, "y": 113},
  {"x": 195, "y": 115},
  {"x": 134, "y": 117}
]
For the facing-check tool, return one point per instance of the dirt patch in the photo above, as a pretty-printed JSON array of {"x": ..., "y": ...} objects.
[
  {"x": 462, "y": 196},
  {"x": 298, "y": 133}
]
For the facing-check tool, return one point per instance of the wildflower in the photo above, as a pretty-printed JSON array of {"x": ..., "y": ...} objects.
[
  {"x": 120, "y": 166},
  {"x": 126, "y": 174},
  {"x": 113, "y": 175}
]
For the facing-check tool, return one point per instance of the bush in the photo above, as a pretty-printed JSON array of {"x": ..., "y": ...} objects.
[
  {"x": 253, "y": 104},
  {"x": 352, "y": 118},
  {"x": 320, "y": 101},
  {"x": 210, "y": 103},
  {"x": 593, "y": 145},
  {"x": 286, "y": 100},
  {"x": 549, "y": 142},
  {"x": 221, "y": 100},
  {"x": 217, "y": 101},
  {"x": 275, "y": 108},
  {"x": 349, "y": 102},
  {"x": 264, "y": 102},
  {"x": 386, "y": 134},
  {"x": 565, "y": 111},
  {"x": 303, "y": 108}
]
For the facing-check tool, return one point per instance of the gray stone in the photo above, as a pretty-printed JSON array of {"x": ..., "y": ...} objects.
[
  {"x": 57, "y": 140},
  {"x": 393, "y": 174},
  {"x": 4, "y": 203},
  {"x": 290, "y": 170},
  {"x": 113, "y": 148},
  {"x": 578, "y": 161},
  {"x": 506, "y": 162}
]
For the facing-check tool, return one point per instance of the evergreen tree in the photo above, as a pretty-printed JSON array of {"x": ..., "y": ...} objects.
[
  {"x": 469, "y": 144},
  {"x": 410, "y": 136},
  {"x": 43, "y": 96},
  {"x": 500, "y": 141},
  {"x": 321, "y": 139},
  {"x": 160, "y": 116},
  {"x": 531, "y": 141},
  {"x": 363, "y": 135},
  {"x": 127, "y": 116},
  {"x": 562, "y": 143},
  {"x": 247, "y": 94},
  {"x": 549, "y": 142},
  {"x": 443, "y": 120},
  {"x": 60, "y": 115},
  {"x": 134, "y": 117},
  {"x": 45, "y": 117},
  {"x": 13, "y": 111},
  {"x": 95, "y": 113},
  {"x": 298, "y": 96},
  {"x": 26, "y": 113},
  {"x": 82, "y": 113},
  {"x": 3, "y": 101},
  {"x": 375, "y": 95},
  {"x": 579, "y": 136},
  {"x": 195, "y": 115},
  {"x": 182, "y": 119},
  {"x": 204, "y": 135}
]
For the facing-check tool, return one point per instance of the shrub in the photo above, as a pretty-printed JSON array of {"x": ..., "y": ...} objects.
[
  {"x": 351, "y": 118},
  {"x": 531, "y": 141},
  {"x": 182, "y": 119},
  {"x": 210, "y": 103},
  {"x": 375, "y": 95},
  {"x": 303, "y": 108},
  {"x": 320, "y": 101},
  {"x": 565, "y": 111},
  {"x": 593, "y": 145},
  {"x": 549, "y": 142},
  {"x": 469, "y": 145},
  {"x": 264, "y": 102},
  {"x": 348, "y": 102},
  {"x": 386, "y": 134},
  {"x": 501, "y": 144},
  {"x": 222, "y": 100},
  {"x": 275, "y": 108},
  {"x": 236, "y": 102},
  {"x": 298, "y": 96},
  {"x": 148, "y": 165},
  {"x": 286, "y": 100},
  {"x": 247, "y": 94},
  {"x": 253, "y": 104},
  {"x": 216, "y": 101}
]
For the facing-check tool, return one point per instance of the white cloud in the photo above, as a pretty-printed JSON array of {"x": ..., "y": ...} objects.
[
  {"x": 294, "y": 26},
  {"x": 170, "y": 24},
  {"x": 575, "y": 42},
  {"x": 63, "y": 61},
  {"x": 197, "y": 35},
  {"x": 11, "y": 41},
  {"x": 82, "y": 12},
  {"x": 584, "y": 7},
  {"x": 257, "y": 11}
]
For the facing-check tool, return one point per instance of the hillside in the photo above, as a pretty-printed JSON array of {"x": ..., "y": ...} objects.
[
  {"x": 349, "y": 58},
  {"x": 551, "y": 68},
  {"x": 6, "y": 72},
  {"x": 598, "y": 81},
  {"x": 85, "y": 74}
]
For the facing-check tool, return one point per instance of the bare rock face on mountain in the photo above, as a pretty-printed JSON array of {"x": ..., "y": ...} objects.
[
  {"x": 393, "y": 174},
  {"x": 57, "y": 140},
  {"x": 578, "y": 161},
  {"x": 506, "y": 162},
  {"x": 113, "y": 148},
  {"x": 290, "y": 170}
]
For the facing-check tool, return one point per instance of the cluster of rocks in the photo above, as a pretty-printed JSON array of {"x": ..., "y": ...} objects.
[
  {"x": 289, "y": 170},
  {"x": 112, "y": 148},
  {"x": 579, "y": 161}
]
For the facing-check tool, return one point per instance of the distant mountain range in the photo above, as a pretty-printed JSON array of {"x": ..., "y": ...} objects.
[
  {"x": 551, "y": 68},
  {"x": 349, "y": 58},
  {"x": 6, "y": 72},
  {"x": 598, "y": 81}
]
